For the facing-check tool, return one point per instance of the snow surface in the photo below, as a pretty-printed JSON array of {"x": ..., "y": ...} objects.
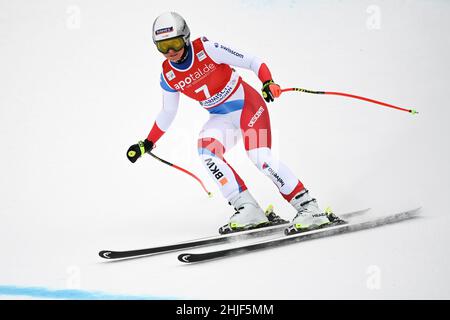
[{"x": 80, "y": 83}]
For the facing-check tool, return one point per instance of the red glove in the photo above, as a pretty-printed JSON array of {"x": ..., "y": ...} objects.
[{"x": 270, "y": 90}]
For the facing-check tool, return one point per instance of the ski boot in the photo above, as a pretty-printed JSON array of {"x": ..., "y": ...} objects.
[
  {"x": 273, "y": 218},
  {"x": 334, "y": 219},
  {"x": 309, "y": 216},
  {"x": 248, "y": 214}
]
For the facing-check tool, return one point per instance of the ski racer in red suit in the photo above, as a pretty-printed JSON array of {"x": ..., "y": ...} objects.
[{"x": 203, "y": 70}]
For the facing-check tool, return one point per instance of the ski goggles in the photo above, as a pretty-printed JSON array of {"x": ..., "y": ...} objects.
[{"x": 175, "y": 44}]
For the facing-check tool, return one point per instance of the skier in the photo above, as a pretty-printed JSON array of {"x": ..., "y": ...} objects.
[{"x": 201, "y": 69}]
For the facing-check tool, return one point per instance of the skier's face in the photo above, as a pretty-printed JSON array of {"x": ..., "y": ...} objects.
[{"x": 173, "y": 55}]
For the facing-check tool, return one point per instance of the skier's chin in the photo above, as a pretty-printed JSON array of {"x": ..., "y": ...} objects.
[{"x": 175, "y": 56}]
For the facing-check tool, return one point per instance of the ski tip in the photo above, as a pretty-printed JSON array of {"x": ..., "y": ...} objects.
[
  {"x": 414, "y": 212},
  {"x": 105, "y": 254},
  {"x": 184, "y": 257}
]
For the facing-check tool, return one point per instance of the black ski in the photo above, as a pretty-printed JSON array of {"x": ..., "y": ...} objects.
[
  {"x": 314, "y": 234},
  {"x": 214, "y": 240}
]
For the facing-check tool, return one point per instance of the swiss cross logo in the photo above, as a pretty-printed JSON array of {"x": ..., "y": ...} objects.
[{"x": 170, "y": 75}]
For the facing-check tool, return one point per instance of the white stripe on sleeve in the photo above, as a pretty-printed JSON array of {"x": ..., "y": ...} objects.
[
  {"x": 221, "y": 53},
  {"x": 169, "y": 109}
]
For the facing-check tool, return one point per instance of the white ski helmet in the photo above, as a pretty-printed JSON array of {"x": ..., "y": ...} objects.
[{"x": 170, "y": 25}]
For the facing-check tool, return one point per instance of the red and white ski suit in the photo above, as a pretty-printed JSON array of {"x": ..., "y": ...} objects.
[{"x": 236, "y": 111}]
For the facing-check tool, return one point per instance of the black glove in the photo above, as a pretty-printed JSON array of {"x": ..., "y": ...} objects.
[
  {"x": 266, "y": 93},
  {"x": 137, "y": 150}
]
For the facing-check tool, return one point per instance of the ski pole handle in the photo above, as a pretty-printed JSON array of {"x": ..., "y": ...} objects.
[
  {"x": 412, "y": 111},
  {"x": 182, "y": 170}
]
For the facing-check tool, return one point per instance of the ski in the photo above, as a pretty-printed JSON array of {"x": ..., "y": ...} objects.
[
  {"x": 303, "y": 236},
  {"x": 214, "y": 240}
]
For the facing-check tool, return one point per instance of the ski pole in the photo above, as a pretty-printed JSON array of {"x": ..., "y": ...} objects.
[
  {"x": 412, "y": 111},
  {"x": 182, "y": 170}
]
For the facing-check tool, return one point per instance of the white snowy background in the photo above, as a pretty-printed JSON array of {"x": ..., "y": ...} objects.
[{"x": 79, "y": 83}]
